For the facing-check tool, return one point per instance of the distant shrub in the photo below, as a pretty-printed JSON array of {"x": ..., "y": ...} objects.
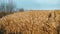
[{"x": 21, "y": 10}]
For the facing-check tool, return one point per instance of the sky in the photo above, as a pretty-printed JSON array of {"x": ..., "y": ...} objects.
[{"x": 37, "y": 4}]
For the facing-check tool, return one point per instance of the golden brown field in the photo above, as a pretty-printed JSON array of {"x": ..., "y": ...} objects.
[{"x": 31, "y": 22}]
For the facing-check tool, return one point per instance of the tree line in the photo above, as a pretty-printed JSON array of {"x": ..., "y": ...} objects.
[{"x": 8, "y": 8}]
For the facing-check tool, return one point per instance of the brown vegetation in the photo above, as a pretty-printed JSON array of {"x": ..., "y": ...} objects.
[
  {"x": 31, "y": 22},
  {"x": 5, "y": 13}
]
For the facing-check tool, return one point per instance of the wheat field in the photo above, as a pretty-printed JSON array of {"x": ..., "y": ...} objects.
[{"x": 31, "y": 22}]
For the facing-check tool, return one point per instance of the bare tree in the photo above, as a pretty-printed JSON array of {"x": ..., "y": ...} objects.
[
  {"x": 7, "y": 7},
  {"x": 2, "y": 7},
  {"x": 10, "y": 7}
]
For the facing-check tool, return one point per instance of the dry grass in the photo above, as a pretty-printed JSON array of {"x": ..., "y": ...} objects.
[{"x": 31, "y": 22}]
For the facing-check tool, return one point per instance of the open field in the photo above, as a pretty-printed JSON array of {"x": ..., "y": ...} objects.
[{"x": 31, "y": 22}]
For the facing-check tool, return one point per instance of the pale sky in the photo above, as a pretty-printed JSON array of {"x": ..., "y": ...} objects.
[{"x": 37, "y": 4}]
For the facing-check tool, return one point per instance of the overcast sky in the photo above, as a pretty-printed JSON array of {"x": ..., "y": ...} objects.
[{"x": 37, "y": 4}]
